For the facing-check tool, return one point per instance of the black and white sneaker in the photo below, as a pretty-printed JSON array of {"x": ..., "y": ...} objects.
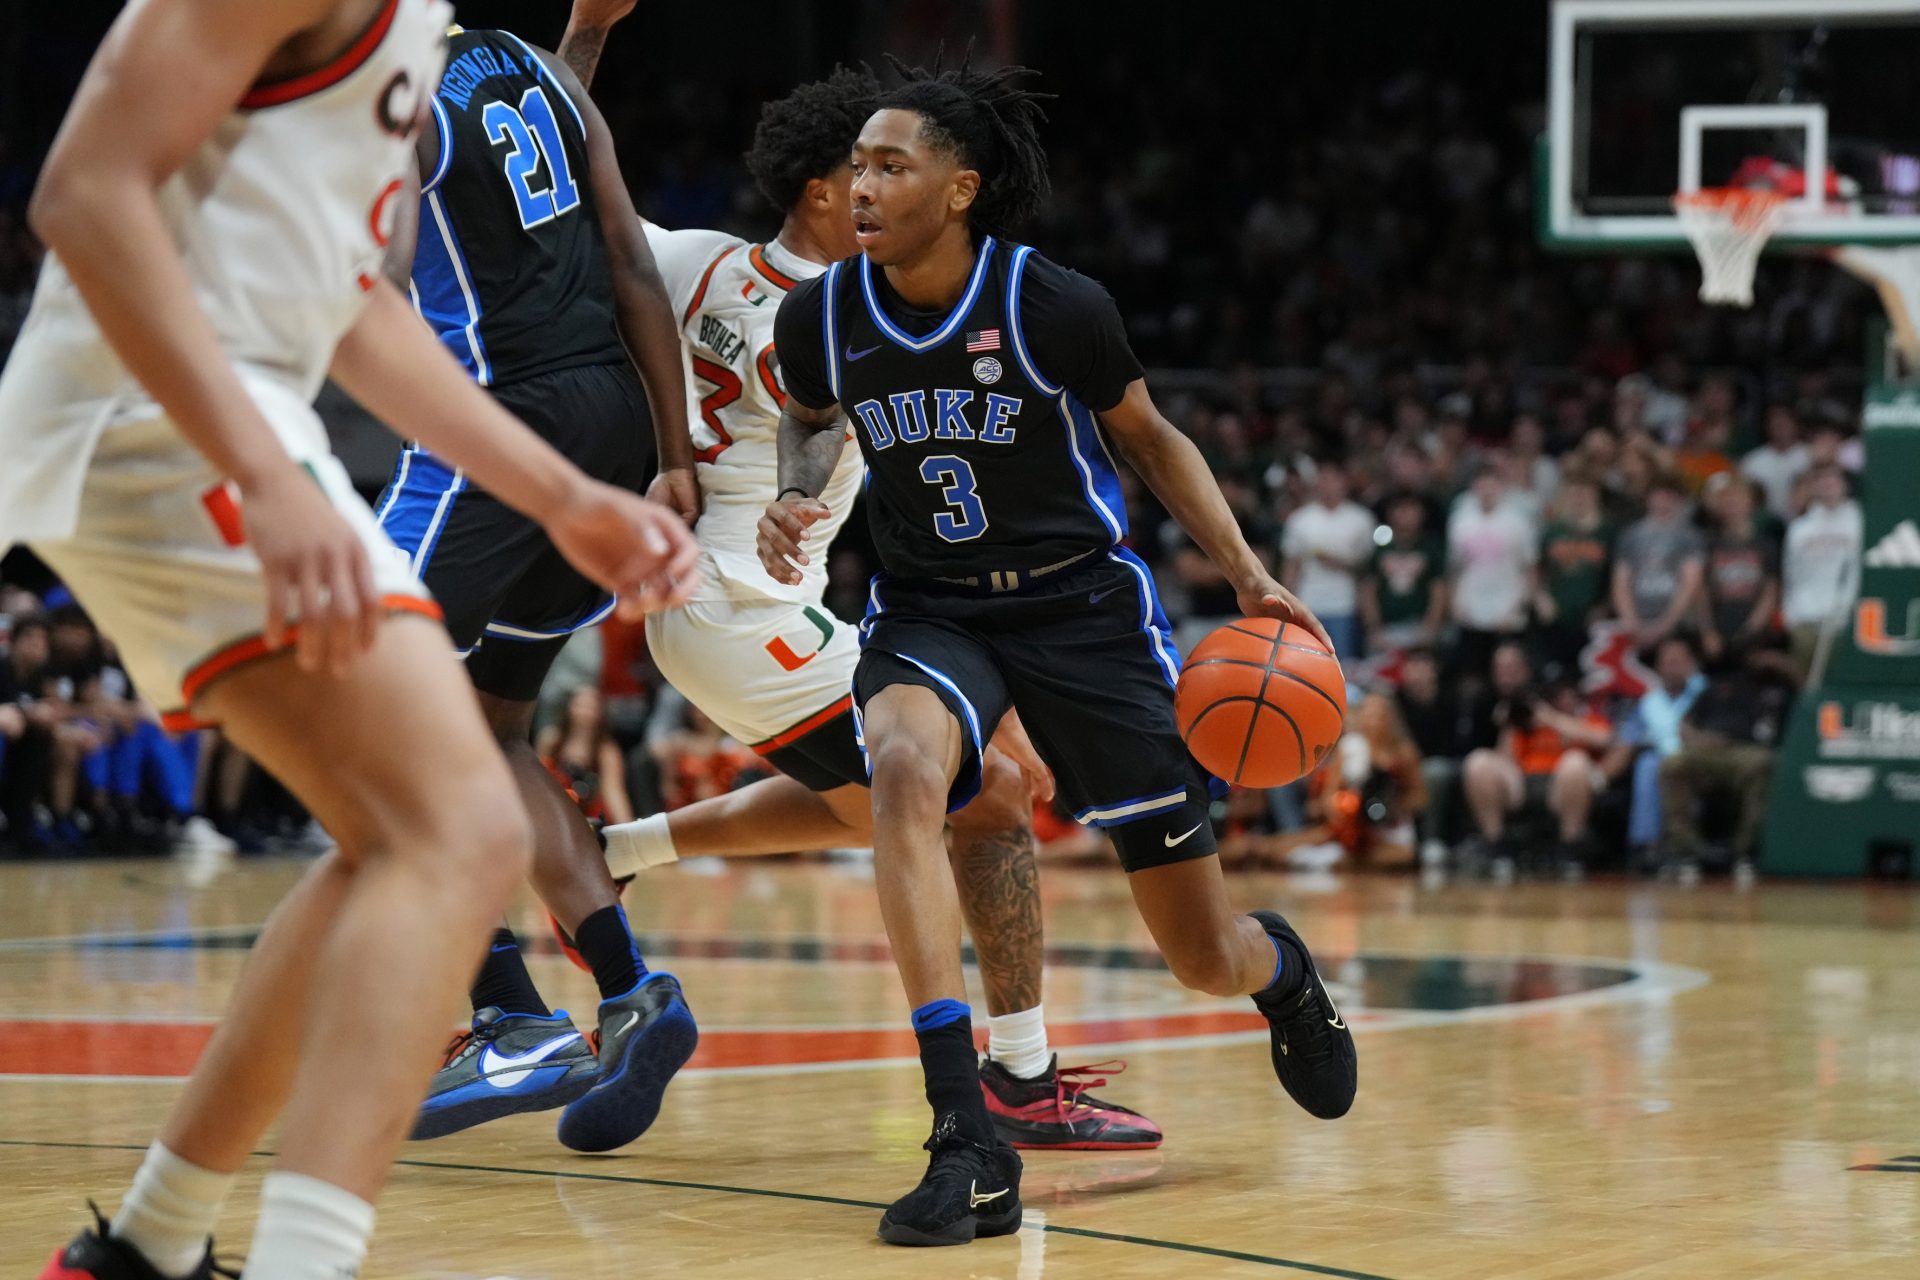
[
  {"x": 1312, "y": 1048},
  {"x": 506, "y": 1064},
  {"x": 970, "y": 1189}
]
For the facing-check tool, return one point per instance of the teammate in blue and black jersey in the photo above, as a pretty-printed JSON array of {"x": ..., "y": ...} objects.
[
  {"x": 989, "y": 390},
  {"x": 530, "y": 264}
]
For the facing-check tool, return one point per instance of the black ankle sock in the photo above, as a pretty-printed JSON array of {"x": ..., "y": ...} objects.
[
  {"x": 606, "y": 944},
  {"x": 1293, "y": 971},
  {"x": 504, "y": 982},
  {"x": 952, "y": 1069}
]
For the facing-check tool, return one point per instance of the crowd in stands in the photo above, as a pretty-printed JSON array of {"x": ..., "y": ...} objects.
[
  {"x": 1565, "y": 648},
  {"x": 1574, "y": 532},
  {"x": 86, "y": 765}
]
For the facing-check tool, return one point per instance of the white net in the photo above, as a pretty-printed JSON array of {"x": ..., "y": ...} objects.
[{"x": 1728, "y": 226}]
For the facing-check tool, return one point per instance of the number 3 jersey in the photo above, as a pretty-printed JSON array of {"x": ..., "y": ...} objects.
[
  {"x": 510, "y": 268},
  {"x": 725, "y": 294},
  {"x": 977, "y": 423}
]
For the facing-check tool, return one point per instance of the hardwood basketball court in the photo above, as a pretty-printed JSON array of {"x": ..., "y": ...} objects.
[{"x": 1556, "y": 1082}]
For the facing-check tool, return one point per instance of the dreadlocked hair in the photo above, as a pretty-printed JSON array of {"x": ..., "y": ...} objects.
[
  {"x": 809, "y": 133},
  {"x": 989, "y": 124}
]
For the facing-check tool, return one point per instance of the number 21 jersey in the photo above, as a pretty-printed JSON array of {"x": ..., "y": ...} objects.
[{"x": 510, "y": 268}]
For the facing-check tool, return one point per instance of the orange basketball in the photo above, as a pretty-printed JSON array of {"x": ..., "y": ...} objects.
[{"x": 1260, "y": 702}]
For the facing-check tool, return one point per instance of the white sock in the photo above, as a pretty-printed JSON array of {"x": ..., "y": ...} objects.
[
  {"x": 308, "y": 1230},
  {"x": 634, "y": 846},
  {"x": 1018, "y": 1042},
  {"x": 168, "y": 1213}
]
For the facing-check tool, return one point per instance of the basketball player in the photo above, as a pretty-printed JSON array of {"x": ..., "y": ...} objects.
[
  {"x": 532, "y": 267},
  {"x": 215, "y": 206},
  {"x": 772, "y": 666},
  {"x": 974, "y": 370}
]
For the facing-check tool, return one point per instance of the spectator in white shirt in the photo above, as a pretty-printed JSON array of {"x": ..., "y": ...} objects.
[
  {"x": 1491, "y": 558},
  {"x": 1776, "y": 466},
  {"x": 1325, "y": 546},
  {"x": 1820, "y": 566}
]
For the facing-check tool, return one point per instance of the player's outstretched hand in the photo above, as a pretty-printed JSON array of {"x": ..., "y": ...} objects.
[
  {"x": 316, "y": 570},
  {"x": 782, "y": 531},
  {"x": 639, "y": 550},
  {"x": 1011, "y": 738},
  {"x": 1262, "y": 597},
  {"x": 677, "y": 488}
]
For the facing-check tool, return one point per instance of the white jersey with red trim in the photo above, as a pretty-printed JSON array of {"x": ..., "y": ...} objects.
[
  {"x": 725, "y": 292},
  {"x": 281, "y": 217}
]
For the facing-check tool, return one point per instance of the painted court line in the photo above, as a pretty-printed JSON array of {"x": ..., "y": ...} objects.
[{"x": 1146, "y": 1242}]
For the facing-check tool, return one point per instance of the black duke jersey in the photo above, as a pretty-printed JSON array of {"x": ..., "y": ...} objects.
[
  {"x": 977, "y": 424},
  {"x": 510, "y": 269}
]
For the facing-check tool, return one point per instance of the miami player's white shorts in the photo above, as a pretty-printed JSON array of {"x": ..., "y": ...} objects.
[
  {"x": 765, "y": 671},
  {"x": 157, "y": 556}
]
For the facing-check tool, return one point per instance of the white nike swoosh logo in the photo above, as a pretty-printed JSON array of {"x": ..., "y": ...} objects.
[
  {"x": 1334, "y": 1021},
  {"x": 1182, "y": 838},
  {"x": 503, "y": 1072},
  {"x": 975, "y": 1199},
  {"x": 626, "y": 1027}
]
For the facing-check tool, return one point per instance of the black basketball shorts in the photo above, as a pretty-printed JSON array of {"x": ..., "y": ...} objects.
[
  {"x": 1089, "y": 663},
  {"x": 506, "y": 590}
]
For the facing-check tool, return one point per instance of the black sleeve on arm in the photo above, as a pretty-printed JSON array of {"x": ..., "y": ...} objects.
[
  {"x": 799, "y": 337},
  {"x": 1074, "y": 334}
]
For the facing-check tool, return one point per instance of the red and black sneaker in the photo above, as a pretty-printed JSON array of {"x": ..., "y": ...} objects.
[
  {"x": 95, "y": 1255},
  {"x": 1055, "y": 1111}
]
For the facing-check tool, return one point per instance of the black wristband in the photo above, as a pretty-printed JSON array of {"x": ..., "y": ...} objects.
[{"x": 792, "y": 488}]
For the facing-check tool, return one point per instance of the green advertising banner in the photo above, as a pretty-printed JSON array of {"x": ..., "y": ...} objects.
[
  {"x": 1846, "y": 788},
  {"x": 1880, "y": 643}
]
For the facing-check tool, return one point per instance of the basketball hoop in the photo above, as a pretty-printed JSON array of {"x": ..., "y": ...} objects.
[{"x": 1728, "y": 226}]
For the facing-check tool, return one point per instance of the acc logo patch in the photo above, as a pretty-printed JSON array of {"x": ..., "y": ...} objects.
[{"x": 986, "y": 369}]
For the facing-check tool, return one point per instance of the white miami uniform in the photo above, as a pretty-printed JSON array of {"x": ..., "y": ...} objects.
[
  {"x": 281, "y": 217},
  {"x": 764, "y": 660}
]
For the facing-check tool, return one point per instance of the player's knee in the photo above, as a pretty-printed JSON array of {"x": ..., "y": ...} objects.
[
  {"x": 1003, "y": 803},
  {"x": 1206, "y": 964},
  {"x": 486, "y": 837},
  {"x": 908, "y": 782}
]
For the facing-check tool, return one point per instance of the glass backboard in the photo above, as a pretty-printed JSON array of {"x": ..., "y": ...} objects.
[{"x": 1812, "y": 98}]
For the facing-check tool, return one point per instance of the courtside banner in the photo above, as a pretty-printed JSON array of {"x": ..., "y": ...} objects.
[{"x": 1880, "y": 643}]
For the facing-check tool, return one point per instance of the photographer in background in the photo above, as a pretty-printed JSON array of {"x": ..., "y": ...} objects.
[{"x": 1546, "y": 759}]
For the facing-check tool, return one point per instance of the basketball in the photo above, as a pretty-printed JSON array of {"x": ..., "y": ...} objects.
[{"x": 1260, "y": 702}]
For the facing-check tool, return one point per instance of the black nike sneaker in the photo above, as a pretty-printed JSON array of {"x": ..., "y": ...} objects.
[
  {"x": 969, "y": 1190},
  {"x": 506, "y": 1064},
  {"x": 1312, "y": 1048},
  {"x": 95, "y": 1255},
  {"x": 645, "y": 1037}
]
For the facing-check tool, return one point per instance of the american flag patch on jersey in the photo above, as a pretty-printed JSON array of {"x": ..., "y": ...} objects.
[{"x": 983, "y": 340}]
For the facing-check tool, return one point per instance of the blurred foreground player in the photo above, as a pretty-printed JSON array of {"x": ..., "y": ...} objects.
[
  {"x": 531, "y": 266},
  {"x": 770, "y": 663},
  {"x": 216, "y": 243},
  {"x": 973, "y": 371}
]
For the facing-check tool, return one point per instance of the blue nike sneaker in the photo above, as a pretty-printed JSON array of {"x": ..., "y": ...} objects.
[
  {"x": 507, "y": 1063},
  {"x": 645, "y": 1036}
]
